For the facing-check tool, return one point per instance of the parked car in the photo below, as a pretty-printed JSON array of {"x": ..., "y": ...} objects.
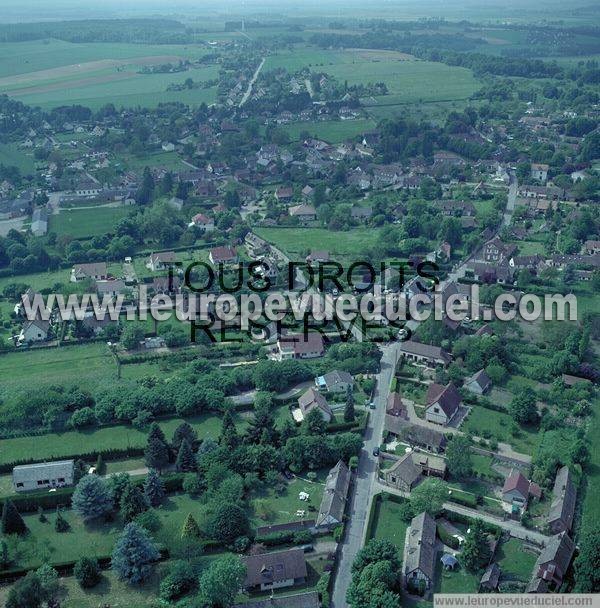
[{"x": 375, "y": 451}]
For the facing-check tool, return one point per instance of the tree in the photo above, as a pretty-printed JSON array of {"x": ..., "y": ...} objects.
[
  {"x": 4, "y": 557},
  {"x": 587, "y": 563},
  {"x": 12, "y": 522},
  {"x": 186, "y": 461},
  {"x": 132, "y": 503},
  {"x": 221, "y": 581},
  {"x": 429, "y": 496},
  {"x": 376, "y": 551},
  {"x": 190, "y": 529},
  {"x": 134, "y": 554},
  {"x": 61, "y": 525},
  {"x": 92, "y": 498},
  {"x": 48, "y": 578},
  {"x": 87, "y": 572},
  {"x": 314, "y": 423},
  {"x": 523, "y": 406},
  {"x": 154, "y": 489},
  {"x": 229, "y": 436},
  {"x": 26, "y": 592},
  {"x": 132, "y": 336},
  {"x": 458, "y": 457},
  {"x": 349, "y": 413},
  {"x": 117, "y": 484},
  {"x": 156, "y": 454},
  {"x": 182, "y": 579},
  {"x": 476, "y": 549},
  {"x": 185, "y": 431},
  {"x": 227, "y": 522}
]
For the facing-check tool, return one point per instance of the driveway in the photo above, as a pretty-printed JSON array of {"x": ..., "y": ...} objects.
[{"x": 365, "y": 480}]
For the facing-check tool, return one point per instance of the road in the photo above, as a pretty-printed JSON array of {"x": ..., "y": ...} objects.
[
  {"x": 365, "y": 479},
  {"x": 251, "y": 83}
]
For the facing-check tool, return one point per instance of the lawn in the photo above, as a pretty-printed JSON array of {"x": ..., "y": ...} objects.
[
  {"x": 295, "y": 241},
  {"x": 591, "y": 503},
  {"x": 333, "y": 131},
  {"x": 499, "y": 425},
  {"x": 60, "y": 445},
  {"x": 514, "y": 562},
  {"x": 388, "y": 523},
  {"x": 93, "y": 221},
  {"x": 456, "y": 581},
  {"x": 12, "y": 155},
  {"x": 271, "y": 508}
]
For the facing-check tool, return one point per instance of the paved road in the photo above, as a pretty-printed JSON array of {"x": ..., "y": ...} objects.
[
  {"x": 365, "y": 480},
  {"x": 251, "y": 83},
  {"x": 513, "y": 527}
]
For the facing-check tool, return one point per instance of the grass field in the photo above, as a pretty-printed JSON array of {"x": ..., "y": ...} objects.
[
  {"x": 333, "y": 131},
  {"x": 388, "y": 524},
  {"x": 591, "y": 503},
  {"x": 514, "y": 562},
  {"x": 60, "y": 445},
  {"x": 12, "y": 155},
  {"x": 297, "y": 240},
  {"x": 94, "y": 221}
]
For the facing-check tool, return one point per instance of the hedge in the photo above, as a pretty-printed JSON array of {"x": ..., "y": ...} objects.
[
  {"x": 465, "y": 519},
  {"x": 463, "y": 499},
  {"x": 447, "y": 538}
]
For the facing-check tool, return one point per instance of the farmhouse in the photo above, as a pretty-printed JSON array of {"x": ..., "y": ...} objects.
[
  {"x": 223, "y": 255},
  {"x": 416, "y": 435},
  {"x": 82, "y": 272},
  {"x": 552, "y": 564},
  {"x": 112, "y": 287},
  {"x": 479, "y": 383},
  {"x": 41, "y": 475},
  {"x": 564, "y": 497},
  {"x": 410, "y": 469},
  {"x": 34, "y": 331},
  {"x": 304, "y": 213},
  {"x": 517, "y": 490},
  {"x": 421, "y": 551},
  {"x": 310, "y": 400},
  {"x": 203, "y": 222},
  {"x": 335, "y": 382},
  {"x": 333, "y": 504},
  {"x": 298, "y": 346},
  {"x": 425, "y": 353},
  {"x": 539, "y": 172},
  {"x": 284, "y": 193},
  {"x": 275, "y": 570},
  {"x": 497, "y": 251},
  {"x": 443, "y": 403},
  {"x": 160, "y": 261}
]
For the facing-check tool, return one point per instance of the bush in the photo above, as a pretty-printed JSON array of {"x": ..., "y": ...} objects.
[{"x": 87, "y": 572}]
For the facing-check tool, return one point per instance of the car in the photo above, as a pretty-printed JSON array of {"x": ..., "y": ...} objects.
[
  {"x": 375, "y": 451},
  {"x": 307, "y": 548},
  {"x": 372, "y": 405}
]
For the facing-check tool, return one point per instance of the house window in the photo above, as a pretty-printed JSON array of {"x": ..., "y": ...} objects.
[
  {"x": 40, "y": 482},
  {"x": 61, "y": 480},
  {"x": 436, "y": 410},
  {"x": 20, "y": 484}
]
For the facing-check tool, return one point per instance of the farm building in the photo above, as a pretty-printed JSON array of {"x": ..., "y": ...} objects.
[
  {"x": 42, "y": 475},
  {"x": 419, "y": 568},
  {"x": 552, "y": 564},
  {"x": 562, "y": 509},
  {"x": 425, "y": 353},
  {"x": 333, "y": 504},
  {"x": 479, "y": 383}
]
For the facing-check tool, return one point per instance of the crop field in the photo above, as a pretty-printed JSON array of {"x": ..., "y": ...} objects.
[
  {"x": 44, "y": 73},
  {"x": 93, "y": 221},
  {"x": 331, "y": 131}
]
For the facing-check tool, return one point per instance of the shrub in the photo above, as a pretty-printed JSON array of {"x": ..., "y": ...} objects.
[{"x": 87, "y": 572}]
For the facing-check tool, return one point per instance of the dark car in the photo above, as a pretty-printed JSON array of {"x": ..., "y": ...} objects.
[{"x": 375, "y": 451}]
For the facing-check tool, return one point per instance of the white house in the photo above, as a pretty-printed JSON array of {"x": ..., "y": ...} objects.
[
  {"x": 42, "y": 475},
  {"x": 34, "y": 331},
  {"x": 443, "y": 403}
]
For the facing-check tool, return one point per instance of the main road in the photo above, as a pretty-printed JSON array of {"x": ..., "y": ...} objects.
[{"x": 365, "y": 478}]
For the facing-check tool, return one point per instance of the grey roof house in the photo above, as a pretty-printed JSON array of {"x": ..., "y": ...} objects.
[
  {"x": 333, "y": 504},
  {"x": 562, "y": 509},
  {"x": 420, "y": 552},
  {"x": 43, "y": 475}
]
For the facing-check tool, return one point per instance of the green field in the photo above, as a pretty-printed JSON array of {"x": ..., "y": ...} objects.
[
  {"x": 331, "y": 131},
  {"x": 92, "y": 221},
  {"x": 388, "y": 523},
  {"x": 295, "y": 241},
  {"x": 12, "y": 155},
  {"x": 514, "y": 562}
]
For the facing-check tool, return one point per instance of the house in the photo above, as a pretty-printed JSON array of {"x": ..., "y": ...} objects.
[
  {"x": 111, "y": 287},
  {"x": 34, "y": 331},
  {"x": 176, "y": 203},
  {"x": 395, "y": 407},
  {"x": 304, "y": 213},
  {"x": 43, "y": 475},
  {"x": 300, "y": 600},
  {"x": 564, "y": 497},
  {"x": 39, "y": 222},
  {"x": 424, "y": 353},
  {"x": 419, "y": 566},
  {"x": 591, "y": 247},
  {"x": 310, "y": 400},
  {"x": 335, "y": 382},
  {"x": 307, "y": 191},
  {"x": 203, "y": 222},
  {"x": 166, "y": 285},
  {"x": 298, "y": 346},
  {"x": 95, "y": 272},
  {"x": 539, "y": 172},
  {"x": 416, "y": 435},
  {"x": 490, "y": 579},
  {"x": 479, "y": 383},
  {"x": 552, "y": 564},
  {"x": 319, "y": 257},
  {"x": 333, "y": 503},
  {"x": 275, "y": 570},
  {"x": 161, "y": 261},
  {"x": 284, "y": 194},
  {"x": 443, "y": 403},
  {"x": 517, "y": 490},
  {"x": 410, "y": 469},
  {"x": 27, "y": 298},
  {"x": 361, "y": 214},
  {"x": 168, "y": 146},
  {"x": 497, "y": 251},
  {"x": 223, "y": 255}
]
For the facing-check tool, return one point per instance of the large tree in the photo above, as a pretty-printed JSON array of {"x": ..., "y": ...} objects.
[
  {"x": 475, "y": 552},
  {"x": 190, "y": 529},
  {"x": 349, "y": 413},
  {"x": 429, "y": 496},
  {"x": 221, "y": 582},
  {"x": 523, "y": 406},
  {"x": 227, "y": 522},
  {"x": 185, "y": 431},
  {"x": 92, "y": 497},
  {"x": 156, "y": 454},
  {"x": 87, "y": 572},
  {"x": 587, "y": 563},
  {"x": 25, "y": 593},
  {"x": 186, "y": 460},
  {"x": 133, "y": 502},
  {"x": 154, "y": 488},
  {"x": 134, "y": 554},
  {"x": 458, "y": 456},
  {"x": 12, "y": 522}
]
